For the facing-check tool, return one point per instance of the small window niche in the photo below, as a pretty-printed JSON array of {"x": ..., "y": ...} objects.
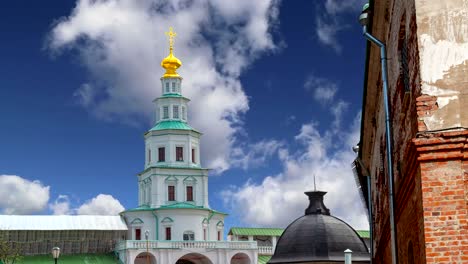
[
  {"x": 167, "y": 87},
  {"x": 175, "y": 111},
  {"x": 165, "y": 112},
  {"x": 171, "y": 193},
  {"x": 161, "y": 154},
  {"x": 189, "y": 236},
  {"x": 179, "y": 154}
]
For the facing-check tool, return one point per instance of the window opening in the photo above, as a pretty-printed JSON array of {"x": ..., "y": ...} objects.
[
  {"x": 161, "y": 154},
  {"x": 171, "y": 193},
  {"x": 165, "y": 112},
  {"x": 179, "y": 154},
  {"x": 190, "y": 193},
  {"x": 193, "y": 155},
  {"x": 175, "y": 111},
  {"x": 189, "y": 236},
  {"x": 168, "y": 233},
  {"x": 137, "y": 234}
]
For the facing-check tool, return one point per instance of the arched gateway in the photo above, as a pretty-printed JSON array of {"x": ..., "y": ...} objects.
[
  {"x": 240, "y": 258},
  {"x": 194, "y": 258},
  {"x": 145, "y": 258}
]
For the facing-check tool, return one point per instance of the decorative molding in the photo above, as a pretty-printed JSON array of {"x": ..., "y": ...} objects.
[{"x": 136, "y": 221}]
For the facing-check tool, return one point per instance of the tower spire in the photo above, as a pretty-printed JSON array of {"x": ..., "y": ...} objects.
[
  {"x": 171, "y": 63},
  {"x": 171, "y": 34}
]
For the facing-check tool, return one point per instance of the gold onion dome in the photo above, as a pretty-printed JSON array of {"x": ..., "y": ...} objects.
[{"x": 171, "y": 63}]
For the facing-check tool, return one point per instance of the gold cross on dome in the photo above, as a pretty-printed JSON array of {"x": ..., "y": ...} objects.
[{"x": 171, "y": 34}]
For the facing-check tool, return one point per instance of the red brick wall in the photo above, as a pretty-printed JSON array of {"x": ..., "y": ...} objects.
[{"x": 443, "y": 161}]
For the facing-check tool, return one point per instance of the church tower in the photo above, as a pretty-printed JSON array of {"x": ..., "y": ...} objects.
[
  {"x": 173, "y": 214},
  {"x": 173, "y": 172}
]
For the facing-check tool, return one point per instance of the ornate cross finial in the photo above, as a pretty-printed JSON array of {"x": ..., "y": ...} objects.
[{"x": 171, "y": 34}]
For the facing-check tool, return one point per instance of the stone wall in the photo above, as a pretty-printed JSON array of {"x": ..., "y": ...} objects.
[{"x": 427, "y": 44}]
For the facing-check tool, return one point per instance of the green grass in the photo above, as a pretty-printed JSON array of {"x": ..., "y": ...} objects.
[{"x": 71, "y": 259}]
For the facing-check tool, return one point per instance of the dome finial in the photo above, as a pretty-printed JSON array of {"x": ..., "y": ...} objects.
[
  {"x": 171, "y": 63},
  {"x": 171, "y": 34}
]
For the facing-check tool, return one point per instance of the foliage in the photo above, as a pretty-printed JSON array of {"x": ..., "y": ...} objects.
[{"x": 10, "y": 252}]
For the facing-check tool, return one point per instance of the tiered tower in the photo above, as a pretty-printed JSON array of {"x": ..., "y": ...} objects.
[
  {"x": 173, "y": 214},
  {"x": 173, "y": 171}
]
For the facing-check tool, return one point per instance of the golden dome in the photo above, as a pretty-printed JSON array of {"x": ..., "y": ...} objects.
[{"x": 171, "y": 63}]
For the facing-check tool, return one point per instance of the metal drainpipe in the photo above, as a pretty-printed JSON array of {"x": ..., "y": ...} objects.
[
  {"x": 388, "y": 132},
  {"x": 157, "y": 224}
]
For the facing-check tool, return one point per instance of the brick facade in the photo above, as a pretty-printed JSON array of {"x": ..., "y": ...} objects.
[{"x": 429, "y": 120}]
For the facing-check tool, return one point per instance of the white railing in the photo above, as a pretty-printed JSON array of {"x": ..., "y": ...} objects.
[
  {"x": 155, "y": 244},
  {"x": 265, "y": 250}
]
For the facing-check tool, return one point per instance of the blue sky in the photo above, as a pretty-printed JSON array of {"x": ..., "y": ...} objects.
[{"x": 276, "y": 88}]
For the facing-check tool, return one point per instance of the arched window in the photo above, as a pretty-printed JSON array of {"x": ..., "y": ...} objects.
[
  {"x": 189, "y": 236},
  {"x": 175, "y": 111}
]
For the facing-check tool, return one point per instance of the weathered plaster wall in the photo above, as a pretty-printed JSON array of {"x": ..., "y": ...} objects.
[{"x": 443, "y": 49}]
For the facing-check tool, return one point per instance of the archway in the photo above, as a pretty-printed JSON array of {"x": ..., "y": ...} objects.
[
  {"x": 145, "y": 258},
  {"x": 194, "y": 258},
  {"x": 240, "y": 258}
]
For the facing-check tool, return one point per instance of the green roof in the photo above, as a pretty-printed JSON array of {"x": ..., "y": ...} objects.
[
  {"x": 181, "y": 205},
  {"x": 140, "y": 208},
  {"x": 172, "y": 124},
  {"x": 71, "y": 259},
  {"x": 263, "y": 259},
  {"x": 363, "y": 233},
  {"x": 251, "y": 231},
  {"x": 248, "y": 231}
]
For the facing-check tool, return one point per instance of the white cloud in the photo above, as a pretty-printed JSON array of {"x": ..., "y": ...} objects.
[
  {"x": 121, "y": 44},
  {"x": 22, "y": 196},
  {"x": 61, "y": 205},
  {"x": 254, "y": 155},
  {"x": 327, "y": 155},
  {"x": 326, "y": 32},
  {"x": 329, "y": 23},
  {"x": 103, "y": 204},
  {"x": 324, "y": 89}
]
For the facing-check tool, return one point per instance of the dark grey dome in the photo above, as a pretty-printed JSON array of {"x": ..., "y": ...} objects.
[{"x": 319, "y": 237}]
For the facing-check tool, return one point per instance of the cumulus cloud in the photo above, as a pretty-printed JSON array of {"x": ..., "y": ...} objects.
[
  {"x": 256, "y": 154},
  {"x": 328, "y": 24},
  {"x": 103, "y": 204},
  {"x": 61, "y": 205},
  {"x": 328, "y": 156},
  {"x": 324, "y": 90},
  {"x": 22, "y": 196},
  {"x": 121, "y": 43}
]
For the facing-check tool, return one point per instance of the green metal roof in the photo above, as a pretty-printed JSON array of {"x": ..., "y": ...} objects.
[
  {"x": 71, "y": 259},
  {"x": 181, "y": 205},
  {"x": 140, "y": 208},
  {"x": 172, "y": 124},
  {"x": 171, "y": 95},
  {"x": 263, "y": 259},
  {"x": 248, "y": 231},
  {"x": 363, "y": 233}
]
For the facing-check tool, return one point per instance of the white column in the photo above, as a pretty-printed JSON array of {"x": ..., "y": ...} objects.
[
  {"x": 251, "y": 238},
  {"x": 273, "y": 242},
  {"x": 205, "y": 191}
]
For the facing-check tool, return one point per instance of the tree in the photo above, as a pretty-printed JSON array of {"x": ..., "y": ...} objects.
[{"x": 10, "y": 252}]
